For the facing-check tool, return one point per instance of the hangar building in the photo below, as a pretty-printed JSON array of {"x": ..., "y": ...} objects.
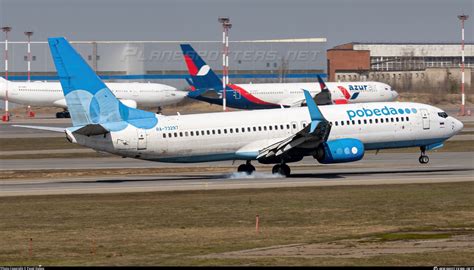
[{"x": 405, "y": 66}]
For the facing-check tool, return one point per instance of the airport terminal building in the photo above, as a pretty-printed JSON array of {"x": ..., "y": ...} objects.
[{"x": 405, "y": 66}]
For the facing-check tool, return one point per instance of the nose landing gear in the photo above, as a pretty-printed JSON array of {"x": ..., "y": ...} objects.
[
  {"x": 424, "y": 159},
  {"x": 247, "y": 168}
]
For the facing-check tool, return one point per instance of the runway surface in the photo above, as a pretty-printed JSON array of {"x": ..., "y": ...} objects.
[{"x": 388, "y": 168}]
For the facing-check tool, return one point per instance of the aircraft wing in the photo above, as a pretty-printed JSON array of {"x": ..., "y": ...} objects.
[{"x": 301, "y": 143}]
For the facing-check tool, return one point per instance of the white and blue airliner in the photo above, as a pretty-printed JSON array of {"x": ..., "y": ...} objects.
[{"x": 330, "y": 134}]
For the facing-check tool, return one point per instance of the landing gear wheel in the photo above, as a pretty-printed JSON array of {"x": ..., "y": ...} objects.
[
  {"x": 424, "y": 159},
  {"x": 242, "y": 168},
  {"x": 64, "y": 114},
  {"x": 282, "y": 169},
  {"x": 248, "y": 168}
]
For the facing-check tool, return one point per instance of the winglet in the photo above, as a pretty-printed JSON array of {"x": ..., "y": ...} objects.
[{"x": 314, "y": 112}]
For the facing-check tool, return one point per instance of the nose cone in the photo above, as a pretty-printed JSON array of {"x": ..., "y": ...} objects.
[
  {"x": 177, "y": 95},
  {"x": 394, "y": 95},
  {"x": 2, "y": 89},
  {"x": 457, "y": 126}
]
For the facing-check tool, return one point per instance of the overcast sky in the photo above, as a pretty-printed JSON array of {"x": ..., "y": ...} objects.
[{"x": 340, "y": 21}]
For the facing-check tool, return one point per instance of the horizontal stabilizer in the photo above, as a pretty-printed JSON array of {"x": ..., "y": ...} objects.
[{"x": 53, "y": 129}]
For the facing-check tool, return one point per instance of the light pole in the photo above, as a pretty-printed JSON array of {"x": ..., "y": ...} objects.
[
  {"x": 6, "y": 117},
  {"x": 226, "y": 25},
  {"x": 463, "y": 98},
  {"x": 28, "y": 35}
]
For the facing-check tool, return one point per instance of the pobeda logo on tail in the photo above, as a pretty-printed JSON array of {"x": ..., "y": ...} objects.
[{"x": 378, "y": 112}]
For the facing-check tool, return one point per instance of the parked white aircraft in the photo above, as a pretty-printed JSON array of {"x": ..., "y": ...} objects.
[
  {"x": 208, "y": 87},
  {"x": 50, "y": 94},
  {"x": 331, "y": 134}
]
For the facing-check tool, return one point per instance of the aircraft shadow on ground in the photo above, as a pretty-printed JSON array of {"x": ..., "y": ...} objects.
[{"x": 322, "y": 175}]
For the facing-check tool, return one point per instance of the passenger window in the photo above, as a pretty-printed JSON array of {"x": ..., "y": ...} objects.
[
  {"x": 225, "y": 131},
  {"x": 381, "y": 120},
  {"x": 164, "y": 135},
  {"x": 353, "y": 122},
  {"x": 192, "y": 133},
  {"x": 186, "y": 134},
  {"x": 208, "y": 132},
  {"x": 376, "y": 120},
  {"x": 348, "y": 122},
  {"x": 336, "y": 123},
  {"x": 237, "y": 130},
  {"x": 176, "y": 134},
  {"x": 391, "y": 119},
  {"x": 243, "y": 129},
  {"x": 359, "y": 121},
  {"x": 269, "y": 127},
  {"x": 281, "y": 127},
  {"x": 408, "y": 119},
  {"x": 342, "y": 123},
  {"x": 396, "y": 119},
  {"x": 287, "y": 126},
  {"x": 265, "y": 128},
  {"x": 365, "y": 121},
  {"x": 230, "y": 130},
  {"x": 181, "y": 134},
  {"x": 259, "y": 128},
  {"x": 370, "y": 121}
]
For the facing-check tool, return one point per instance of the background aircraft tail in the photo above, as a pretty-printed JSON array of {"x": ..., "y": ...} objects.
[
  {"x": 89, "y": 100},
  {"x": 203, "y": 77}
]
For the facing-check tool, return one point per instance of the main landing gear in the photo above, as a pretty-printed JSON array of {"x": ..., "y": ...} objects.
[
  {"x": 63, "y": 114},
  {"x": 282, "y": 169},
  {"x": 424, "y": 159},
  {"x": 247, "y": 168}
]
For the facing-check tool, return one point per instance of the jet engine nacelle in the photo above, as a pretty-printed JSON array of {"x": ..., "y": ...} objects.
[
  {"x": 129, "y": 103},
  {"x": 339, "y": 151}
]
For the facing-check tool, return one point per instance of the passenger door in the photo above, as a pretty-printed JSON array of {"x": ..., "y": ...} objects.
[
  {"x": 142, "y": 141},
  {"x": 425, "y": 118}
]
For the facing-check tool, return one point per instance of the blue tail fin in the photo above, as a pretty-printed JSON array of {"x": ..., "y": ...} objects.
[
  {"x": 88, "y": 99},
  {"x": 202, "y": 75}
]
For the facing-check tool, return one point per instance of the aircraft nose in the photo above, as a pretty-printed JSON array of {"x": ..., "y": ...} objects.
[
  {"x": 394, "y": 94},
  {"x": 457, "y": 125},
  {"x": 178, "y": 94}
]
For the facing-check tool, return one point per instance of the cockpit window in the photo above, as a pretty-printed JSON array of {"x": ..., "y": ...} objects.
[{"x": 443, "y": 114}]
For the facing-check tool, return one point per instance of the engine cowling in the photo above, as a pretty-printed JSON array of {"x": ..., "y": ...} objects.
[
  {"x": 129, "y": 103},
  {"x": 339, "y": 151}
]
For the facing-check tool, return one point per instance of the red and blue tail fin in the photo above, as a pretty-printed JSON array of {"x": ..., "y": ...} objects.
[{"x": 203, "y": 77}]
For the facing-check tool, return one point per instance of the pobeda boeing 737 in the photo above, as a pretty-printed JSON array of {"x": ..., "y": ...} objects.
[{"x": 331, "y": 134}]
